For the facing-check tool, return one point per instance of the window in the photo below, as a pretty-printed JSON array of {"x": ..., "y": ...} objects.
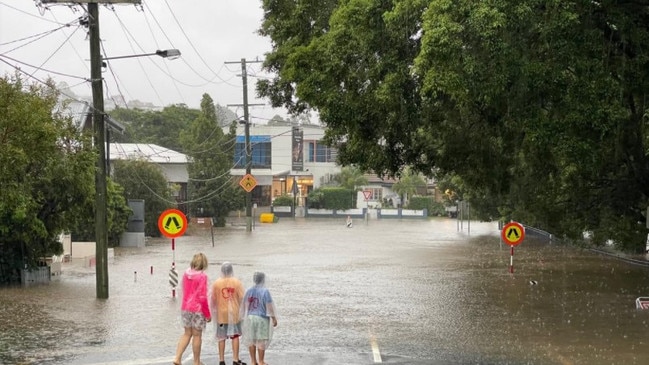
[
  {"x": 261, "y": 156},
  {"x": 377, "y": 194},
  {"x": 319, "y": 152}
]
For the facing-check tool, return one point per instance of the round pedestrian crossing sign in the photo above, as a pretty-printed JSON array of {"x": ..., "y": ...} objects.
[
  {"x": 172, "y": 223},
  {"x": 513, "y": 233}
]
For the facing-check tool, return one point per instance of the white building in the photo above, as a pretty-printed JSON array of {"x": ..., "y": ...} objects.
[
  {"x": 172, "y": 163},
  {"x": 282, "y": 154}
]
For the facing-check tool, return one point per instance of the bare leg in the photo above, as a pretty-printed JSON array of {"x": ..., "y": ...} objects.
[
  {"x": 197, "y": 341},
  {"x": 261, "y": 353},
  {"x": 253, "y": 354},
  {"x": 182, "y": 345},
  {"x": 235, "y": 349},
  {"x": 221, "y": 350}
]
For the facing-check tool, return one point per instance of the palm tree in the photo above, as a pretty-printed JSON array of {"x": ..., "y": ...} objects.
[
  {"x": 407, "y": 185},
  {"x": 352, "y": 178}
]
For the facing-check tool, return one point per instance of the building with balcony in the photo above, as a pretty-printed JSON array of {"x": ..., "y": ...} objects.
[{"x": 285, "y": 159}]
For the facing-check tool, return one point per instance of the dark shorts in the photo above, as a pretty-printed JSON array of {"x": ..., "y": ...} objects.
[{"x": 226, "y": 331}]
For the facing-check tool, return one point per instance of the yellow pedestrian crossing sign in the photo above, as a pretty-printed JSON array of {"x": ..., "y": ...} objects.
[
  {"x": 172, "y": 223},
  {"x": 248, "y": 182},
  {"x": 513, "y": 233}
]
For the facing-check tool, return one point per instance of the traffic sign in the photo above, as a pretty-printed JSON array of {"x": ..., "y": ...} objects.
[
  {"x": 172, "y": 223},
  {"x": 513, "y": 233},
  {"x": 642, "y": 303},
  {"x": 367, "y": 194},
  {"x": 248, "y": 182}
]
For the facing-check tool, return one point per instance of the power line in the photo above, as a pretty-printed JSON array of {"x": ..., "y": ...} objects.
[
  {"x": 57, "y": 49},
  {"x": 37, "y": 36},
  {"x": 37, "y": 68},
  {"x": 32, "y": 15},
  {"x": 119, "y": 90},
  {"x": 173, "y": 14},
  {"x": 128, "y": 34},
  {"x": 47, "y": 84},
  {"x": 155, "y": 40},
  {"x": 208, "y": 80}
]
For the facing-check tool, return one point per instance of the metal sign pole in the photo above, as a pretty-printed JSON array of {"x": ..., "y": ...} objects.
[
  {"x": 468, "y": 220},
  {"x": 173, "y": 275},
  {"x": 367, "y": 211}
]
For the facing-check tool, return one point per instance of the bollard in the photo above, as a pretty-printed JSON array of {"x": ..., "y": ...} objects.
[
  {"x": 173, "y": 281},
  {"x": 135, "y": 276}
]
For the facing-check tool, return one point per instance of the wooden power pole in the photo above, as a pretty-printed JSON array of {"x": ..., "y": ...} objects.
[
  {"x": 244, "y": 77},
  {"x": 101, "y": 229}
]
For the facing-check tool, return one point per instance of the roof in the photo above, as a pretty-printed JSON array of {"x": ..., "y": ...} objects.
[
  {"x": 149, "y": 152},
  {"x": 375, "y": 179}
]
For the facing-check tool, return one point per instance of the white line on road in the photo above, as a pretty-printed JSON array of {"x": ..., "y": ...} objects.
[
  {"x": 375, "y": 351},
  {"x": 159, "y": 360}
]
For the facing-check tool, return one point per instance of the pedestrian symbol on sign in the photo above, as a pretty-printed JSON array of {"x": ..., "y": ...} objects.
[{"x": 172, "y": 223}]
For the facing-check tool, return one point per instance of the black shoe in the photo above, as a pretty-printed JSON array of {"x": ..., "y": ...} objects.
[
  {"x": 221, "y": 362},
  {"x": 237, "y": 363}
]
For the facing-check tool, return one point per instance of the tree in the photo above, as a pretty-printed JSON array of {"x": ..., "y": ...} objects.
[
  {"x": 212, "y": 191},
  {"x": 407, "y": 185},
  {"x": 537, "y": 106},
  {"x": 162, "y": 127},
  {"x": 144, "y": 180},
  {"x": 351, "y": 177},
  {"x": 83, "y": 226},
  {"x": 158, "y": 127},
  {"x": 46, "y": 174}
]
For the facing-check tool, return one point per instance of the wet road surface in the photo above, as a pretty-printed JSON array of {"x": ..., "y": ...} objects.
[{"x": 396, "y": 292}]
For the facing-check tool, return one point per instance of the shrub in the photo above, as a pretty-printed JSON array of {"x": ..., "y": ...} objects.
[
  {"x": 331, "y": 198},
  {"x": 283, "y": 201},
  {"x": 426, "y": 202}
]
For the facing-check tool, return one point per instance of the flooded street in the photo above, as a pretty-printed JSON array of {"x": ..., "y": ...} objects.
[{"x": 416, "y": 292}]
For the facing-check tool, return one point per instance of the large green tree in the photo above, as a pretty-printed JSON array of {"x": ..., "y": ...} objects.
[
  {"x": 82, "y": 228},
  {"x": 537, "y": 105},
  {"x": 212, "y": 191},
  {"x": 151, "y": 126},
  {"x": 162, "y": 127},
  {"x": 46, "y": 174}
]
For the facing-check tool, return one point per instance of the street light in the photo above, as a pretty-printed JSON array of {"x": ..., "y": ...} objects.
[
  {"x": 171, "y": 54},
  {"x": 101, "y": 211}
]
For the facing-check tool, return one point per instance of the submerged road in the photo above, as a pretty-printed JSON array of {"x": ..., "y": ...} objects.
[{"x": 394, "y": 292}]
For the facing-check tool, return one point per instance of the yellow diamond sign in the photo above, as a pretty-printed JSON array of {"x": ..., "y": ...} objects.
[{"x": 248, "y": 182}]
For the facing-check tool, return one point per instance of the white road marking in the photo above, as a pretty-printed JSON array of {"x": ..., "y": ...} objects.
[
  {"x": 159, "y": 360},
  {"x": 375, "y": 351}
]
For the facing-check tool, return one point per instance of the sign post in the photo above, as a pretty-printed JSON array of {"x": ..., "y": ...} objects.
[
  {"x": 367, "y": 194},
  {"x": 513, "y": 234},
  {"x": 172, "y": 223}
]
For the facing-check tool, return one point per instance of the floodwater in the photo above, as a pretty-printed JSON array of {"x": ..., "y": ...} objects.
[{"x": 414, "y": 291}]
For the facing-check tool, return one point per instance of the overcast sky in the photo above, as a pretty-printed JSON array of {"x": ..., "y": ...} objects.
[{"x": 209, "y": 33}]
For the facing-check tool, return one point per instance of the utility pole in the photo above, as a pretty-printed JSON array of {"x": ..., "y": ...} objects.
[
  {"x": 244, "y": 77},
  {"x": 101, "y": 231}
]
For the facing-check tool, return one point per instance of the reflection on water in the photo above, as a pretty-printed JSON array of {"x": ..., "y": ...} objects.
[{"x": 421, "y": 289}]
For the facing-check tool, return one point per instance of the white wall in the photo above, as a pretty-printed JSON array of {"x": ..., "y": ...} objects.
[{"x": 281, "y": 139}]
